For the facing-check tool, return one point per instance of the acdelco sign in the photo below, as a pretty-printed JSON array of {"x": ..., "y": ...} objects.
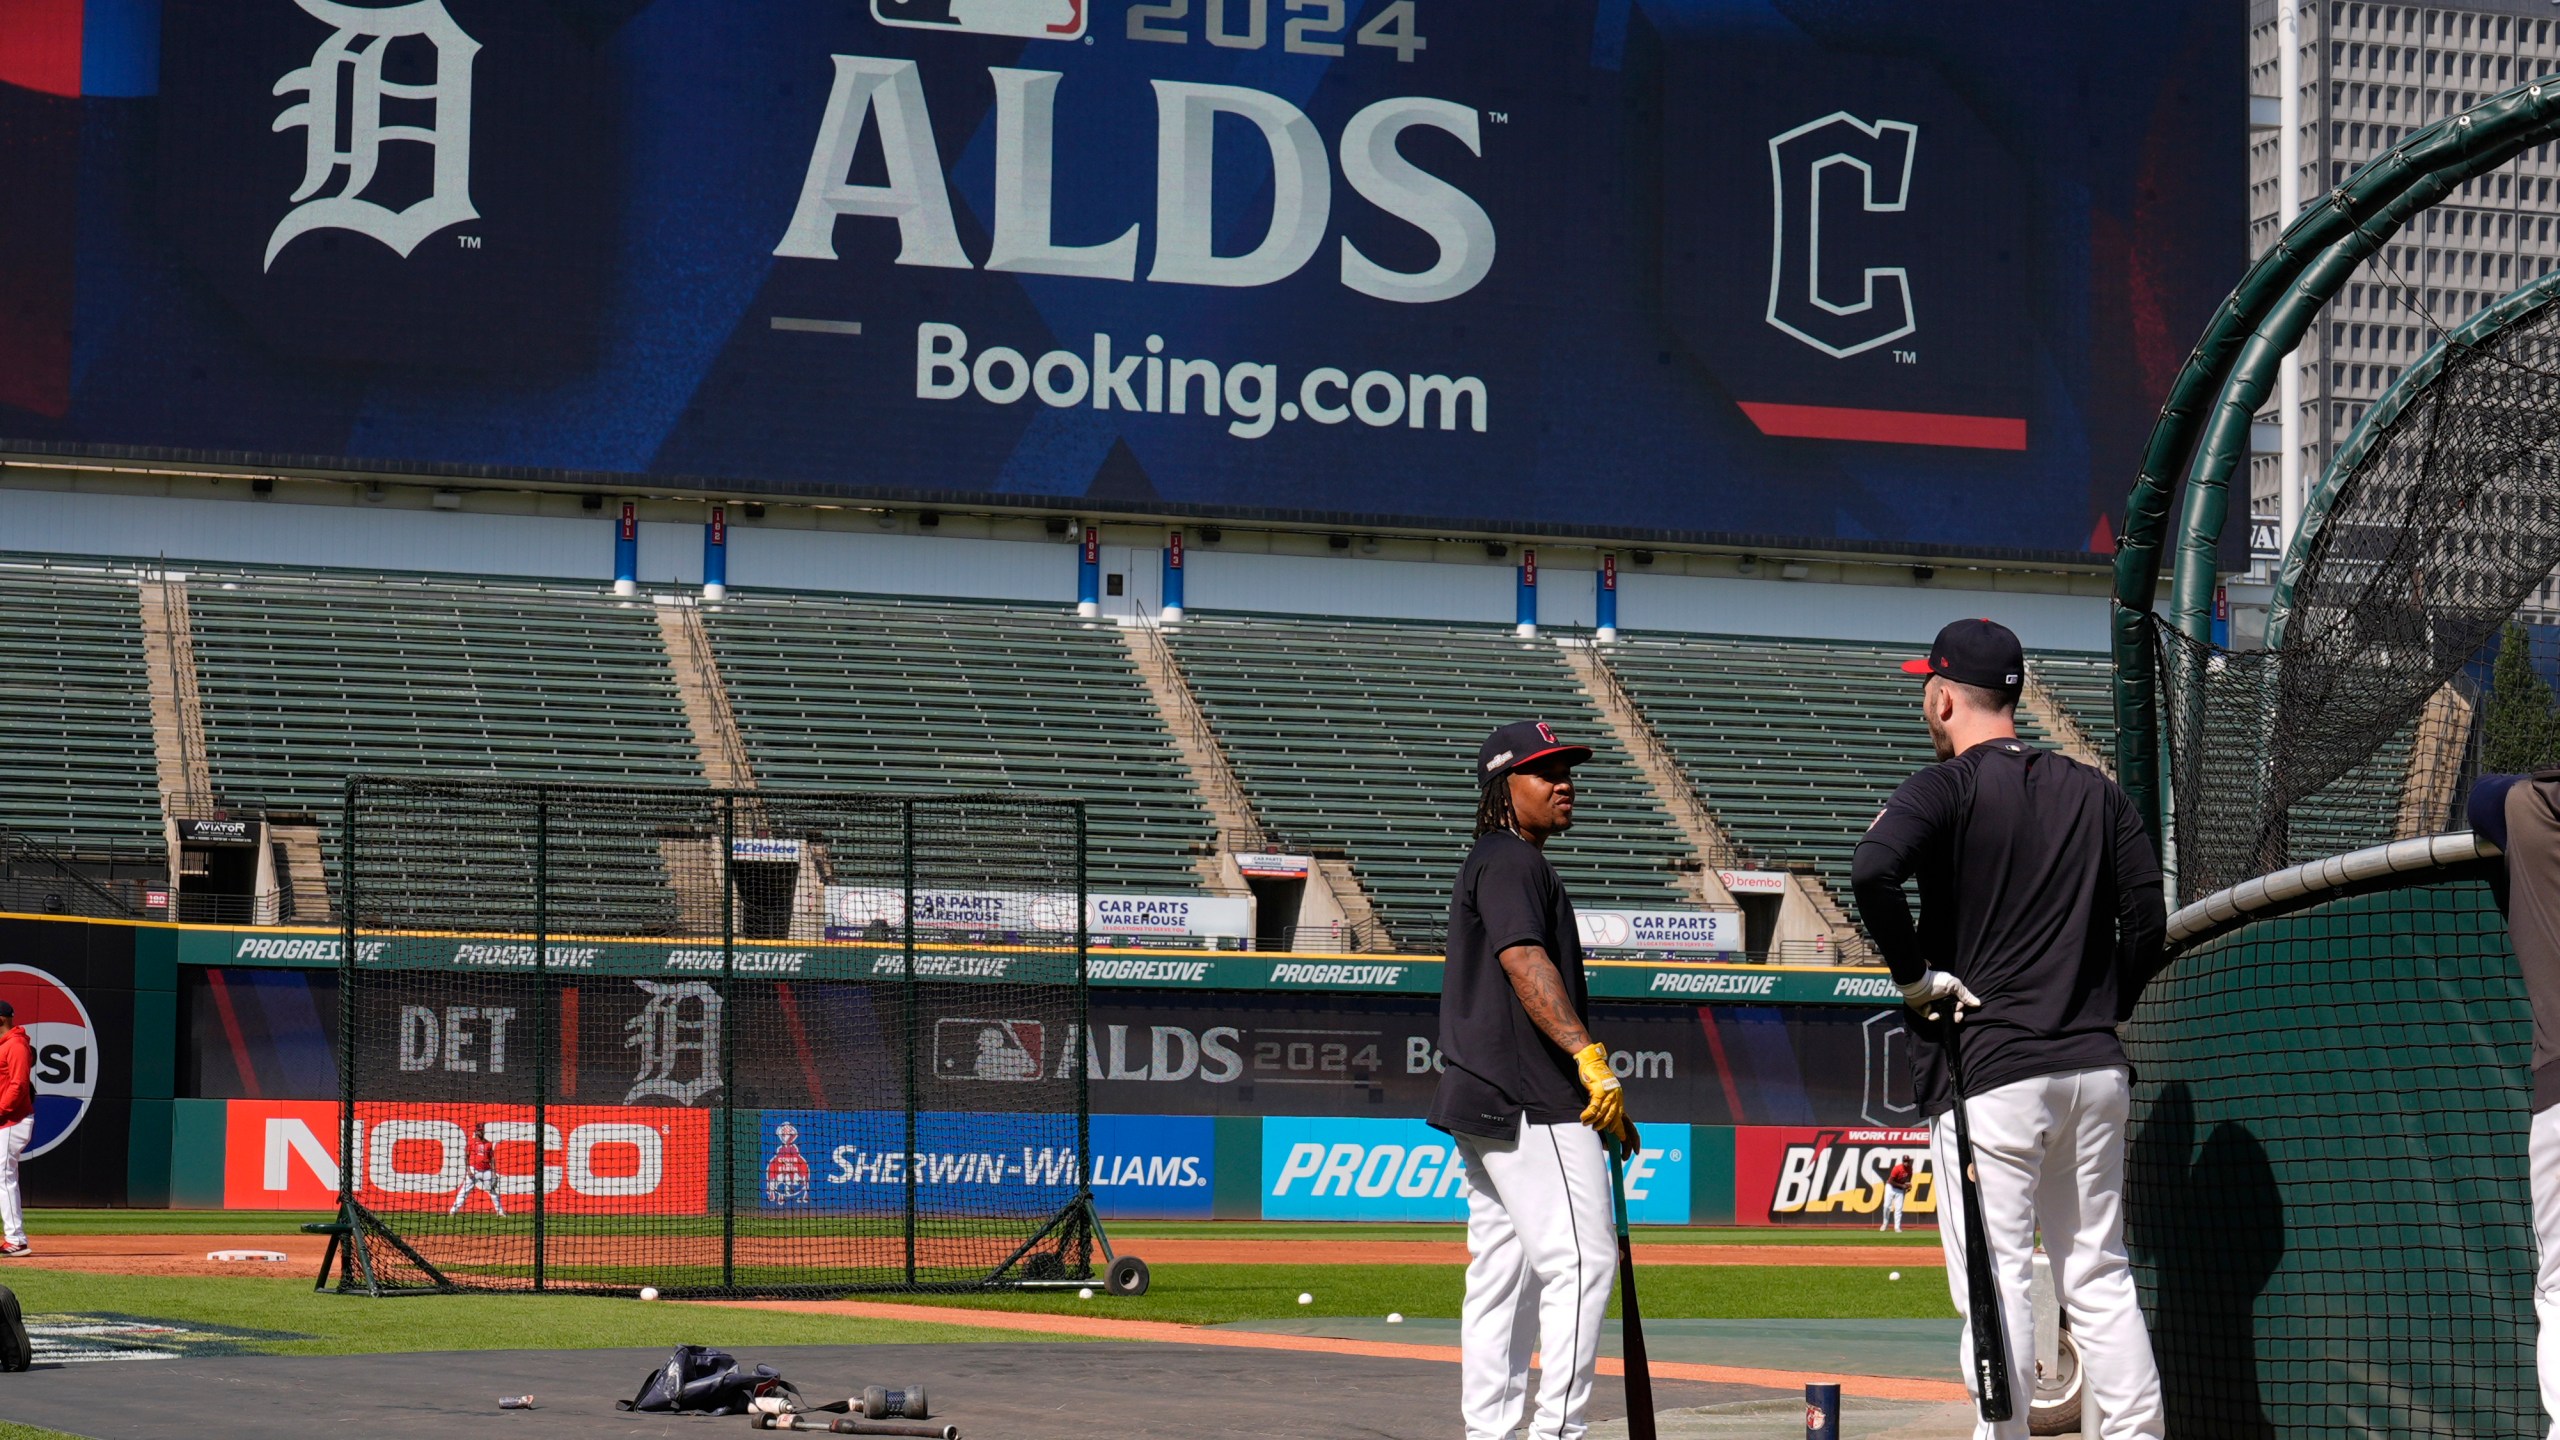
[{"x": 594, "y": 1159}]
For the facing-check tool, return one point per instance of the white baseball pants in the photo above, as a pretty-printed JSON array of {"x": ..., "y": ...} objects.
[
  {"x": 13, "y": 1211},
  {"x": 1892, "y": 1210},
  {"x": 2049, "y": 1154},
  {"x": 480, "y": 1180},
  {"x": 2542, "y": 1152},
  {"x": 1542, "y": 1253}
]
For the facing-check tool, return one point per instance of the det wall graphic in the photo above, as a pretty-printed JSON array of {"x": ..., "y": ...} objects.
[
  {"x": 1865, "y": 272},
  {"x": 262, "y": 1032}
]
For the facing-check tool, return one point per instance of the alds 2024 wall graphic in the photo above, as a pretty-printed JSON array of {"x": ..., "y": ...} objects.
[{"x": 1862, "y": 272}]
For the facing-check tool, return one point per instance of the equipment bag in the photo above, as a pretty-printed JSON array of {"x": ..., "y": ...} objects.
[
  {"x": 701, "y": 1381},
  {"x": 16, "y": 1353}
]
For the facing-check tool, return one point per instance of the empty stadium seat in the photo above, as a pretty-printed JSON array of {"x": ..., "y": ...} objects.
[
  {"x": 2085, "y": 686},
  {"x": 944, "y": 696},
  {"x": 1795, "y": 744},
  {"x": 75, "y": 710},
  {"x": 1362, "y": 735},
  {"x": 310, "y": 676}
]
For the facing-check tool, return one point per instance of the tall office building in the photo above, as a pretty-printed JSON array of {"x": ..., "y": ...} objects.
[{"x": 2371, "y": 74}]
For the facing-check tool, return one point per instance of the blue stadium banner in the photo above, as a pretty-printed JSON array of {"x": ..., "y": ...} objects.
[
  {"x": 1864, "y": 273},
  {"x": 1155, "y": 1167},
  {"x": 1363, "y": 1169}
]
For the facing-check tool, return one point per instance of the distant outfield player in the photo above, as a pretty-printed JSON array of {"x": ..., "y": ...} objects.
[
  {"x": 2041, "y": 919},
  {"x": 1897, "y": 1188},
  {"x": 480, "y": 1159},
  {"x": 17, "y": 1127}
]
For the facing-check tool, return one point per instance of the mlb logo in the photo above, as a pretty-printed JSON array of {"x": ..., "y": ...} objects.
[
  {"x": 970, "y": 1049},
  {"x": 1020, "y": 19}
]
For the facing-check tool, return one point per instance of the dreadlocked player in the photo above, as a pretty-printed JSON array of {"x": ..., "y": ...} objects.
[{"x": 1527, "y": 1095}]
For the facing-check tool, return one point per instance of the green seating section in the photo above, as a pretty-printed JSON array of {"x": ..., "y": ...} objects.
[
  {"x": 2360, "y": 808},
  {"x": 941, "y": 696},
  {"x": 75, "y": 711},
  {"x": 2085, "y": 684},
  {"x": 308, "y": 677},
  {"x": 1795, "y": 744},
  {"x": 1362, "y": 736}
]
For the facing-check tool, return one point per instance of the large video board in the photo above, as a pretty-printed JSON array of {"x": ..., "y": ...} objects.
[{"x": 1860, "y": 273}]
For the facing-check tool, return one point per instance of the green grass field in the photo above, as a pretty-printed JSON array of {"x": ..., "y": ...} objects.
[
  {"x": 262, "y": 1222},
  {"x": 349, "y": 1324},
  {"x": 1217, "y": 1294},
  {"x": 1182, "y": 1293}
]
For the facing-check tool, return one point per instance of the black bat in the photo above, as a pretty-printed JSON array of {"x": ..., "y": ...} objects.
[
  {"x": 1630, "y": 1318},
  {"x": 1983, "y": 1310}
]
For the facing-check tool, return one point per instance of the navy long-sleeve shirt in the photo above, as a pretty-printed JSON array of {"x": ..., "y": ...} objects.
[
  {"x": 2038, "y": 889},
  {"x": 2520, "y": 814}
]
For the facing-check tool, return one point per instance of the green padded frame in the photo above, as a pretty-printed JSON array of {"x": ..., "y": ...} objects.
[{"x": 2203, "y": 431}]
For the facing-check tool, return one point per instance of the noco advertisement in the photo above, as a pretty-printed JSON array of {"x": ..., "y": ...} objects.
[
  {"x": 1239, "y": 1106},
  {"x": 1864, "y": 273}
]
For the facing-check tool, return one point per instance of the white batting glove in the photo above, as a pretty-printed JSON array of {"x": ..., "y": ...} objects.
[{"x": 1933, "y": 986}]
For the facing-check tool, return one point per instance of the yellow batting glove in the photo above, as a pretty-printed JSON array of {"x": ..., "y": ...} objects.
[
  {"x": 1628, "y": 1144},
  {"x": 1607, "y": 1111}
]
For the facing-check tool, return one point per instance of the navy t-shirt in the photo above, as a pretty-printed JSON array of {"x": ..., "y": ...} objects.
[{"x": 1497, "y": 1064}]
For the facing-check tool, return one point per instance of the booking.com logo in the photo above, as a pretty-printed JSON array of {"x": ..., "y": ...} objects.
[{"x": 1148, "y": 381}]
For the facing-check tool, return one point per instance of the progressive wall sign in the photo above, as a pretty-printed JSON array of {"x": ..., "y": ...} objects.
[{"x": 1862, "y": 272}]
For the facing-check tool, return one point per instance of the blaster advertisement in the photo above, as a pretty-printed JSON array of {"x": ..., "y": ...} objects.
[
  {"x": 1787, "y": 1175},
  {"x": 1872, "y": 274}
]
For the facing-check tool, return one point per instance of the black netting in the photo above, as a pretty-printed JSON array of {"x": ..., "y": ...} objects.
[
  {"x": 2444, "y": 518},
  {"x": 715, "y": 1043},
  {"x": 2325, "y": 1181}
]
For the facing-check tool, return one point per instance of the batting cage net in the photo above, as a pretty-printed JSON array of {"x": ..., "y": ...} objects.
[
  {"x": 2325, "y": 1182},
  {"x": 711, "y": 1042},
  {"x": 2439, "y": 517}
]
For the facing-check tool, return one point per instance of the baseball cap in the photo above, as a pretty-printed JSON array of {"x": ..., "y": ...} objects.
[
  {"x": 8, "y": 1011},
  {"x": 1520, "y": 742},
  {"x": 1975, "y": 652}
]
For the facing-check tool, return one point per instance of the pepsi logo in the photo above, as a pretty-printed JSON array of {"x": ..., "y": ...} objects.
[{"x": 65, "y": 1047}]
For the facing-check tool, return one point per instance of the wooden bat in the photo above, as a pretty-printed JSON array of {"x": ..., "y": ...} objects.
[
  {"x": 1630, "y": 1318},
  {"x": 1983, "y": 1311}
]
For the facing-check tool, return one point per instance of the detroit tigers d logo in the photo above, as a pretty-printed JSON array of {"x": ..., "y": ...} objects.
[{"x": 345, "y": 77}]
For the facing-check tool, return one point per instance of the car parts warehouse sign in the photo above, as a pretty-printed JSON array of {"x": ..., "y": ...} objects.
[{"x": 1891, "y": 276}]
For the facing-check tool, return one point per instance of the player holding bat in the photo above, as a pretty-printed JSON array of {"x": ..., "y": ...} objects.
[
  {"x": 1528, "y": 1095},
  {"x": 2041, "y": 918}
]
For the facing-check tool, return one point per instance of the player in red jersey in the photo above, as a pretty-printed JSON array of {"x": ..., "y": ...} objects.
[{"x": 480, "y": 1157}]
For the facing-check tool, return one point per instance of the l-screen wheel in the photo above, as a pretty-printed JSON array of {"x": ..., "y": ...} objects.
[{"x": 1127, "y": 1276}]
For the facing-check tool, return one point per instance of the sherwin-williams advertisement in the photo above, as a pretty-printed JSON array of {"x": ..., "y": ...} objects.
[{"x": 1864, "y": 272}]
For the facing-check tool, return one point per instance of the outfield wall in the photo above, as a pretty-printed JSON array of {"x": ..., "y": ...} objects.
[{"x": 1224, "y": 1086}]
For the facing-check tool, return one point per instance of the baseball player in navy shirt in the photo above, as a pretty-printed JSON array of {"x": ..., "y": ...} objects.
[
  {"x": 2520, "y": 814},
  {"x": 1527, "y": 1094},
  {"x": 2041, "y": 917}
]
